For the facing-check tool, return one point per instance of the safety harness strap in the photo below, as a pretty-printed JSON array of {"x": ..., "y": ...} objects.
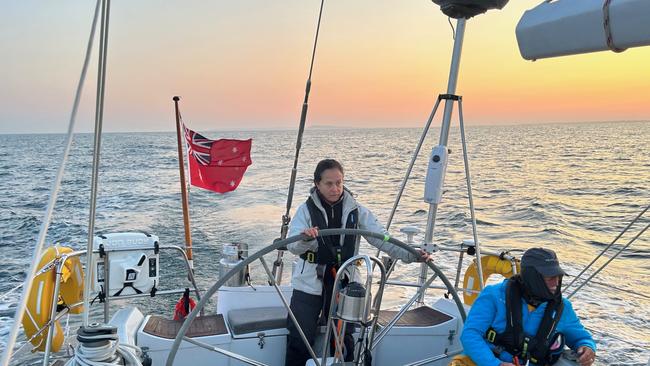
[
  {"x": 514, "y": 340},
  {"x": 330, "y": 251}
]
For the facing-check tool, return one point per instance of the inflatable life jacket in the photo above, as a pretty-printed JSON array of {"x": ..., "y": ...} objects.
[
  {"x": 184, "y": 305},
  {"x": 40, "y": 299},
  {"x": 329, "y": 249},
  {"x": 537, "y": 349},
  {"x": 490, "y": 264}
]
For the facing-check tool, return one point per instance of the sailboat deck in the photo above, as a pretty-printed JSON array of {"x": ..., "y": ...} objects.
[
  {"x": 423, "y": 316},
  {"x": 201, "y": 326}
]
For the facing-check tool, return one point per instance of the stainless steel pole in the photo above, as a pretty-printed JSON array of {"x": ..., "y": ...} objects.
[{"x": 444, "y": 136}]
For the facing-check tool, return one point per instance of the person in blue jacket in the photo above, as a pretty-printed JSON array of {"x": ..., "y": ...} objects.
[{"x": 525, "y": 318}]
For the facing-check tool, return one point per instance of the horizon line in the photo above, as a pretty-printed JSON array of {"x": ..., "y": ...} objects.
[{"x": 334, "y": 127}]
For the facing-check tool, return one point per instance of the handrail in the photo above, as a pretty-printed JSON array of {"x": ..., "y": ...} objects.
[{"x": 58, "y": 263}]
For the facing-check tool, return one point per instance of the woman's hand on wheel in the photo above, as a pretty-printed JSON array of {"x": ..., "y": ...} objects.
[
  {"x": 424, "y": 256},
  {"x": 311, "y": 232}
]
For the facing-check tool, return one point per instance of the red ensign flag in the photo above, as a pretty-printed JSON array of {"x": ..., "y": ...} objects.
[{"x": 217, "y": 165}]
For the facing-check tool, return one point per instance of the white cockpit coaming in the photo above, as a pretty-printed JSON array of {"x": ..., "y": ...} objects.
[{"x": 404, "y": 343}]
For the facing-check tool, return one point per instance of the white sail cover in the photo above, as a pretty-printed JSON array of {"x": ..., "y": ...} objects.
[{"x": 568, "y": 27}]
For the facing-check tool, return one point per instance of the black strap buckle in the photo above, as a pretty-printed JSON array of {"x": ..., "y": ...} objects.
[
  {"x": 491, "y": 335},
  {"x": 311, "y": 257},
  {"x": 524, "y": 348}
]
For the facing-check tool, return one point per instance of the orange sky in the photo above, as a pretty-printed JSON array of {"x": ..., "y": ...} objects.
[{"x": 243, "y": 64}]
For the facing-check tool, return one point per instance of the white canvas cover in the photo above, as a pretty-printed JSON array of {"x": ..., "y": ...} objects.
[{"x": 567, "y": 27}]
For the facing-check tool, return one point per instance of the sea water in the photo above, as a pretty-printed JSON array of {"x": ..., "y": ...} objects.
[{"x": 568, "y": 187}]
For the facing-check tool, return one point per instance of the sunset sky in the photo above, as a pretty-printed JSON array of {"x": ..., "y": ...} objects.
[{"x": 242, "y": 64}]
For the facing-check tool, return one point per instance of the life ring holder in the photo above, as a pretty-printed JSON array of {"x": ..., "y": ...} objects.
[
  {"x": 60, "y": 275},
  {"x": 490, "y": 264}
]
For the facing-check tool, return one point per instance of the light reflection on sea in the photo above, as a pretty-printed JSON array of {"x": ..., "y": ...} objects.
[{"x": 571, "y": 188}]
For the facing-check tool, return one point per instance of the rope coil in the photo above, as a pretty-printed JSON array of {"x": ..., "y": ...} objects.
[{"x": 110, "y": 353}]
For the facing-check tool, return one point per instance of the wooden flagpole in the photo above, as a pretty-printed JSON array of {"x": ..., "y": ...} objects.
[{"x": 181, "y": 169}]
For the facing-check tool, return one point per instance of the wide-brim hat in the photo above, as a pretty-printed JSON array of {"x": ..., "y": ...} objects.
[{"x": 543, "y": 260}]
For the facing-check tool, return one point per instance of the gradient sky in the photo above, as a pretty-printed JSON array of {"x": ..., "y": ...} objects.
[{"x": 242, "y": 64}]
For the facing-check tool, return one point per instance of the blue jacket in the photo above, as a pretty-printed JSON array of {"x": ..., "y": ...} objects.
[{"x": 489, "y": 310}]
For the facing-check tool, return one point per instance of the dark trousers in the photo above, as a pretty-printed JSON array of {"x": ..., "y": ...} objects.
[{"x": 307, "y": 309}]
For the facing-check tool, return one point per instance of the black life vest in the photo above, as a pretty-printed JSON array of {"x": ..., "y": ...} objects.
[
  {"x": 537, "y": 348},
  {"x": 330, "y": 251}
]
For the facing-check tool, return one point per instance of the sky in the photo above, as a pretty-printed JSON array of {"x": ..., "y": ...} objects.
[{"x": 243, "y": 64}]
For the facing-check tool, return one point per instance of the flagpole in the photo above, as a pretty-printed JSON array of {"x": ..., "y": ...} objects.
[{"x": 181, "y": 170}]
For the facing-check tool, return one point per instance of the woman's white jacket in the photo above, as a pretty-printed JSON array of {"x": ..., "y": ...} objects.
[{"x": 304, "y": 276}]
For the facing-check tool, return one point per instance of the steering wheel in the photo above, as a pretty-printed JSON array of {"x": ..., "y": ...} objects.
[{"x": 283, "y": 243}]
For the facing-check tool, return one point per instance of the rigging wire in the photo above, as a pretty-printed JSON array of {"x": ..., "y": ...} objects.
[
  {"x": 636, "y": 344},
  {"x": 286, "y": 218},
  {"x": 609, "y": 261},
  {"x": 303, "y": 117},
  {"x": 3, "y": 297},
  {"x": 453, "y": 30},
  {"x": 54, "y": 191},
  {"x": 99, "y": 115},
  {"x": 607, "y": 247}
]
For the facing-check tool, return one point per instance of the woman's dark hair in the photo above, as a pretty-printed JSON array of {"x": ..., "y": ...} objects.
[{"x": 325, "y": 164}]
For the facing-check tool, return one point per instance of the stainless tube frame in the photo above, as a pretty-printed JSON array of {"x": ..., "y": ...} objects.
[
  {"x": 402, "y": 311},
  {"x": 273, "y": 282},
  {"x": 55, "y": 300},
  {"x": 107, "y": 286},
  {"x": 435, "y": 287},
  {"x": 468, "y": 177},
  {"x": 429, "y": 360},
  {"x": 60, "y": 262},
  {"x": 166, "y": 247},
  {"x": 425, "y": 131},
  {"x": 368, "y": 260}
]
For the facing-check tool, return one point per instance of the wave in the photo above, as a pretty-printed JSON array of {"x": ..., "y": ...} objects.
[
  {"x": 523, "y": 198},
  {"x": 555, "y": 231},
  {"x": 485, "y": 223}
]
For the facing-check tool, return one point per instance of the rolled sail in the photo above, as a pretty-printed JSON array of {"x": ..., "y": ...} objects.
[{"x": 568, "y": 27}]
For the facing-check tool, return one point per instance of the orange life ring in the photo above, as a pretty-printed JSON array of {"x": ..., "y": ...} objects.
[
  {"x": 39, "y": 300},
  {"x": 490, "y": 264},
  {"x": 461, "y": 360}
]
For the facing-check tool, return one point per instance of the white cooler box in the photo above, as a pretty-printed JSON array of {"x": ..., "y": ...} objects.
[{"x": 133, "y": 263}]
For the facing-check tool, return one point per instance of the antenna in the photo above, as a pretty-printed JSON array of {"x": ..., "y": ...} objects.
[
  {"x": 466, "y": 9},
  {"x": 436, "y": 171}
]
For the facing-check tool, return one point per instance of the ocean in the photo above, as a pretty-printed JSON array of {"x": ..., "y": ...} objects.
[{"x": 568, "y": 187}]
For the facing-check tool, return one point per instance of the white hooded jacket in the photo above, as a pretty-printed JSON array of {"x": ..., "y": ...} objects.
[{"x": 304, "y": 277}]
